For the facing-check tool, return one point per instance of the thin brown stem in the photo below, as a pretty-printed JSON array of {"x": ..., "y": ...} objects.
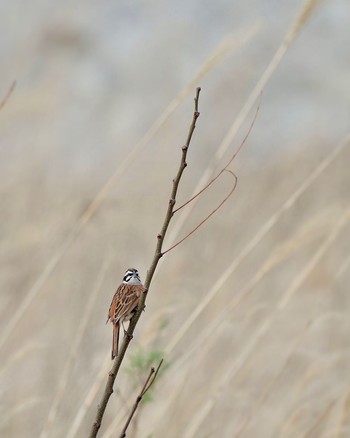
[
  {"x": 224, "y": 169},
  {"x": 148, "y": 383},
  {"x": 228, "y": 163},
  {"x": 7, "y": 96},
  {"x": 157, "y": 256},
  {"x": 209, "y": 215}
]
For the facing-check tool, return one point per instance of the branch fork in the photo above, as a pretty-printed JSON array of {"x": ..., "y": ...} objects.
[{"x": 158, "y": 254}]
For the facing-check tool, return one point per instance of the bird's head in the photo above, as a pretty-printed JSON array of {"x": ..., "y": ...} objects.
[{"x": 131, "y": 276}]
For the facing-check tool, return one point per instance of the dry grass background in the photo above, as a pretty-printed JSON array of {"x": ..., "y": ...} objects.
[{"x": 252, "y": 311}]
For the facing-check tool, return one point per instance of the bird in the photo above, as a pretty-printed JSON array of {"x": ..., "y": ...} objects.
[{"x": 124, "y": 304}]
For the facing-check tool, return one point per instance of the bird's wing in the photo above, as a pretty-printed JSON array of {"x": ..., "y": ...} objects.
[{"x": 126, "y": 300}]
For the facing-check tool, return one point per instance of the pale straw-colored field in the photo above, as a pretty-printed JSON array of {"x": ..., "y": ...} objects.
[{"x": 251, "y": 313}]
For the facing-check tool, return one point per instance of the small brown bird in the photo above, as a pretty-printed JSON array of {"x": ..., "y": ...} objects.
[{"x": 124, "y": 304}]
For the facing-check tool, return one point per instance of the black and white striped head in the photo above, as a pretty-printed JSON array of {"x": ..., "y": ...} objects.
[{"x": 131, "y": 277}]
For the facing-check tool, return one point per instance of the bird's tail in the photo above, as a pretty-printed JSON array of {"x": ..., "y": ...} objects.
[{"x": 115, "y": 340}]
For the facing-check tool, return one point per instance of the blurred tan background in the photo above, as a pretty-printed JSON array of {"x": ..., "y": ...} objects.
[{"x": 252, "y": 312}]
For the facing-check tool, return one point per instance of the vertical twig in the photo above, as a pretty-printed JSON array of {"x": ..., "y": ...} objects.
[
  {"x": 148, "y": 383},
  {"x": 157, "y": 256}
]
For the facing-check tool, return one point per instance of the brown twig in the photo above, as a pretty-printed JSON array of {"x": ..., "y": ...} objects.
[
  {"x": 157, "y": 256},
  {"x": 209, "y": 215},
  {"x": 227, "y": 165},
  {"x": 148, "y": 383},
  {"x": 8, "y": 94},
  {"x": 224, "y": 169}
]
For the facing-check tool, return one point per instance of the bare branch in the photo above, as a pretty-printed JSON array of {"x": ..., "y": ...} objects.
[
  {"x": 209, "y": 215},
  {"x": 7, "y": 96},
  {"x": 148, "y": 383},
  {"x": 228, "y": 163},
  {"x": 157, "y": 256},
  {"x": 225, "y": 169}
]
